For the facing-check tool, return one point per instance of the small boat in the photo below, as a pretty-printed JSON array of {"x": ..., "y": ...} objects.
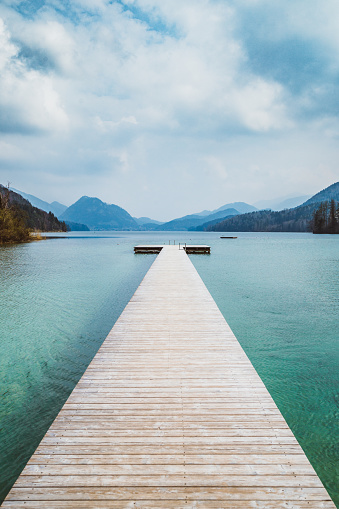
[{"x": 228, "y": 237}]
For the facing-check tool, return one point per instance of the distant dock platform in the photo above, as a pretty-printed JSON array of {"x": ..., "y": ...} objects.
[{"x": 156, "y": 249}]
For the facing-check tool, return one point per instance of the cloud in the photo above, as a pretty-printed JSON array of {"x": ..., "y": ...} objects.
[
  {"x": 297, "y": 45},
  {"x": 29, "y": 102},
  {"x": 151, "y": 91},
  {"x": 159, "y": 78}
]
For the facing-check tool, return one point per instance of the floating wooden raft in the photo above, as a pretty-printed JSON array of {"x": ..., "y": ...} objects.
[
  {"x": 169, "y": 414},
  {"x": 188, "y": 248}
]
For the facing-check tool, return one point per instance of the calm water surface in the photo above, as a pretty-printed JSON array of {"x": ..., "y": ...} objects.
[{"x": 279, "y": 293}]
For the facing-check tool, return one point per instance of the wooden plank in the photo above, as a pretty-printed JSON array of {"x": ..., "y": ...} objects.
[
  {"x": 271, "y": 469},
  {"x": 148, "y": 481},
  {"x": 171, "y": 504},
  {"x": 62, "y": 448},
  {"x": 169, "y": 414},
  {"x": 164, "y": 459},
  {"x": 71, "y": 494}
]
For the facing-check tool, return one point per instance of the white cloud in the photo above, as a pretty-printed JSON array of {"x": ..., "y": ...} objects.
[{"x": 28, "y": 100}]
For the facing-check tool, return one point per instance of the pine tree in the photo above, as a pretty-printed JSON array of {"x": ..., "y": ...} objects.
[
  {"x": 332, "y": 220},
  {"x": 326, "y": 218}
]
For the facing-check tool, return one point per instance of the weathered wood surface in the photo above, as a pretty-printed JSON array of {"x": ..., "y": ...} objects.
[{"x": 169, "y": 414}]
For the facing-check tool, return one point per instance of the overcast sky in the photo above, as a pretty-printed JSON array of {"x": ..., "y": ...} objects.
[{"x": 168, "y": 107}]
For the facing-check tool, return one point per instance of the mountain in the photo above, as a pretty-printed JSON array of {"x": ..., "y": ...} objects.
[
  {"x": 240, "y": 206},
  {"x": 146, "y": 221},
  {"x": 148, "y": 227},
  {"x": 18, "y": 216},
  {"x": 192, "y": 221},
  {"x": 204, "y": 227},
  {"x": 98, "y": 215},
  {"x": 327, "y": 194},
  {"x": 55, "y": 207}
]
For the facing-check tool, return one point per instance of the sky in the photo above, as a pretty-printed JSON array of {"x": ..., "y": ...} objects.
[{"x": 169, "y": 107}]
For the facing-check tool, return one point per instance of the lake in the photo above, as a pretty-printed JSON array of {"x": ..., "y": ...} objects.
[{"x": 59, "y": 298}]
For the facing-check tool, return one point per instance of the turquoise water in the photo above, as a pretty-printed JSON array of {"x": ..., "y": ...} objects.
[{"x": 279, "y": 293}]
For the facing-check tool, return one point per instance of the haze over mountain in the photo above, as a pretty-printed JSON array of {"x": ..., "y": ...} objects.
[
  {"x": 240, "y": 206},
  {"x": 55, "y": 207},
  {"x": 281, "y": 203},
  {"x": 98, "y": 215},
  {"x": 146, "y": 220}
]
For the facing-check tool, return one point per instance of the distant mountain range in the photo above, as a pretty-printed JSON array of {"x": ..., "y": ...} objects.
[
  {"x": 295, "y": 219},
  {"x": 194, "y": 221},
  {"x": 94, "y": 214}
]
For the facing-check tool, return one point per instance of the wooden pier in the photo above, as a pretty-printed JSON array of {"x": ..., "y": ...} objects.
[{"x": 169, "y": 414}]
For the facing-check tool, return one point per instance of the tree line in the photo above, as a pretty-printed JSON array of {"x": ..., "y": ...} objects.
[{"x": 326, "y": 218}]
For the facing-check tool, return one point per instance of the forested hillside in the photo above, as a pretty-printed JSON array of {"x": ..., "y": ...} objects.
[
  {"x": 328, "y": 194},
  {"x": 289, "y": 220},
  {"x": 18, "y": 218}
]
